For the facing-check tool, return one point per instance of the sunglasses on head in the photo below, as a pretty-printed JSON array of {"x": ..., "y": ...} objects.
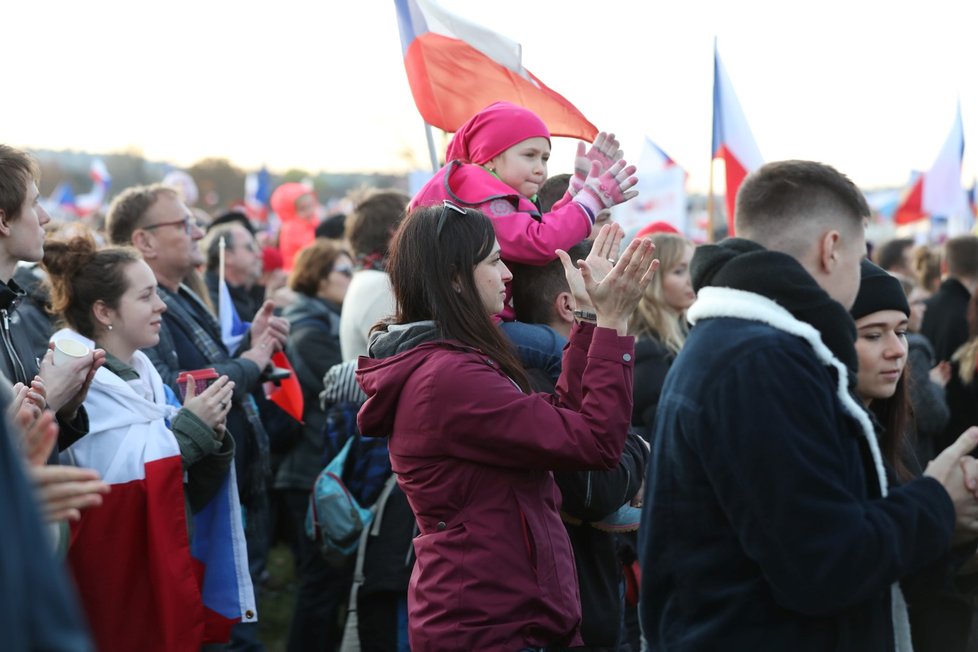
[{"x": 447, "y": 208}]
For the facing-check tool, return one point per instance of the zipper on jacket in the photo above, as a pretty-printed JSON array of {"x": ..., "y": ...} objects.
[{"x": 16, "y": 365}]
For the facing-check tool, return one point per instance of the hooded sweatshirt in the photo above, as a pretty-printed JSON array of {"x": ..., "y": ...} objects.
[
  {"x": 474, "y": 456},
  {"x": 296, "y": 232}
]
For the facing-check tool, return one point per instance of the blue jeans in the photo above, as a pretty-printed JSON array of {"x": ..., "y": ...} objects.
[{"x": 538, "y": 346}]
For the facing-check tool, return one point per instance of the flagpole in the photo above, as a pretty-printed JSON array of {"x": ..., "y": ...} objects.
[
  {"x": 431, "y": 147},
  {"x": 220, "y": 269},
  {"x": 713, "y": 153},
  {"x": 709, "y": 207}
]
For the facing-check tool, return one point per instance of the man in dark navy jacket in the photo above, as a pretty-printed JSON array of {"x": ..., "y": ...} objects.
[{"x": 769, "y": 522}]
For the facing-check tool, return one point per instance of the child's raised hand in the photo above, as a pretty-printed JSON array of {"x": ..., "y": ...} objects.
[
  {"x": 609, "y": 189},
  {"x": 605, "y": 151}
]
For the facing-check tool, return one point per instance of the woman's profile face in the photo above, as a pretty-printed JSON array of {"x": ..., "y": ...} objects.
[
  {"x": 138, "y": 317},
  {"x": 491, "y": 276},
  {"x": 677, "y": 287},
  {"x": 881, "y": 345},
  {"x": 334, "y": 287}
]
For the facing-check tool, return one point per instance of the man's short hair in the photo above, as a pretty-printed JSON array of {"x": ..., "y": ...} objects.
[
  {"x": 890, "y": 253},
  {"x": 232, "y": 217},
  {"x": 778, "y": 201},
  {"x": 331, "y": 228},
  {"x": 535, "y": 286},
  {"x": 961, "y": 254},
  {"x": 371, "y": 225},
  {"x": 17, "y": 169},
  {"x": 127, "y": 211},
  {"x": 552, "y": 190}
]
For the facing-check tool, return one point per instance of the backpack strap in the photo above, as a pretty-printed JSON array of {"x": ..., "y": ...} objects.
[{"x": 378, "y": 509}]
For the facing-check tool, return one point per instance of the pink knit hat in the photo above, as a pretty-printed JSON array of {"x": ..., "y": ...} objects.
[{"x": 493, "y": 130}]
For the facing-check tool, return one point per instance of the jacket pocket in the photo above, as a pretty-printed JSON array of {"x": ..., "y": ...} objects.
[{"x": 529, "y": 541}]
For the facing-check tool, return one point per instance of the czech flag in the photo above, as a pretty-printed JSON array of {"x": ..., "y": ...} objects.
[
  {"x": 661, "y": 193},
  {"x": 732, "y": 137},
  {"x": 233, "y": 329},
  {"x": 938, "y": 191},
  {"x": 145, "y": 585},
  {"x": 93, "y": 200},
  {"x": 258, "y": 190},
  {"x": 456, "y": 68}
]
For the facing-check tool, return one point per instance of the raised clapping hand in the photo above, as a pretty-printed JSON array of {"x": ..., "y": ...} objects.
[
  {"x": 615, "y": 296},
  {"x": 266, "y": 322},
  {"x": 28, "y": 403},
  {"x": 958, "y": 473},
  {"x": 604, "y": 151},
  {"x": 63, "y": 491},
  {"x": 213, "y": 404},
  {"x": 601, "y": 259},
  {"x": 607, "y": 189}
]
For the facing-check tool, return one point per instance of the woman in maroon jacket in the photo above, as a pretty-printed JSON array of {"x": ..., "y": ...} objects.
[{"x": 473, "y": 449}]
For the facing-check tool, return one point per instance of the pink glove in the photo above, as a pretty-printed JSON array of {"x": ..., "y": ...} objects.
[
  {"x": 601, "y": 191},
  {"x": 605, "y": 152}
]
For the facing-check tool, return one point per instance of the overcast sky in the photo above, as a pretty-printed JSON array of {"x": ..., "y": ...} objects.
[{"x": 867, "y": 86}]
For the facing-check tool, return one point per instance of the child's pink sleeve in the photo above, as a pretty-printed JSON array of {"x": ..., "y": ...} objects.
[{"x": 523, "y": 239}]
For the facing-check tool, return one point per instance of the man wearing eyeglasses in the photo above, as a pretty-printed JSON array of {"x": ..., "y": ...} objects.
[{"x": 155, "y": 221}]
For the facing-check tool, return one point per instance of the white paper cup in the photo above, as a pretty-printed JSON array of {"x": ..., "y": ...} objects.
[{"x": 68, "y": 350}]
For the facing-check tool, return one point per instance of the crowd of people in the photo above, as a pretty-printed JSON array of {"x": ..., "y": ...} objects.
[{"x": 550, "y": 438}]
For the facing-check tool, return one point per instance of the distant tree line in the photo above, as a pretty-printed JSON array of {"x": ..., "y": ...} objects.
[{"x": 221, "y": 183}]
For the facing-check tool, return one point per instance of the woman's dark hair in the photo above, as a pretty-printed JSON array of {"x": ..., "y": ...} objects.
[
  {"x": 434, "y": 251},
  {"x": 894, "y": 415},
  {"x": 314, "y": 264},
  {"x": 81, "y": 274}
]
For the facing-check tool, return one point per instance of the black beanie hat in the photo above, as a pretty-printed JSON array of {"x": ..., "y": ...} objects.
[{"x": 878, "y": 290}]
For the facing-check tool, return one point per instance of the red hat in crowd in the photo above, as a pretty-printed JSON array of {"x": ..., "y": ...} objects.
[{"x": 657, "y": 227}]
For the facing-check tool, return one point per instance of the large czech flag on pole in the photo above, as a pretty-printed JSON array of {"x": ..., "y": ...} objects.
[
  {"x": 938, "y": 192},
  {"x": 732, "y": 137},
  {"x": 457, "y": 68}
]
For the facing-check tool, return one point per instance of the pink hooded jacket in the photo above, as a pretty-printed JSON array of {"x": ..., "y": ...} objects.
[
  {"x": 525, "y": 236},
  {"x": 474, "y": 455},
  {"x": 296, "y": 232}
]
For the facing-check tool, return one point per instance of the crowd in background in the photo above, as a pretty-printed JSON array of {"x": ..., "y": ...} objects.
[{"x": 143, "y": 298}]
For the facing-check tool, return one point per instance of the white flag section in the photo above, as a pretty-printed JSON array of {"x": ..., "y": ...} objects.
[
  {"x": 943, "y": 194},
  {"x": 661, "y": 193}
]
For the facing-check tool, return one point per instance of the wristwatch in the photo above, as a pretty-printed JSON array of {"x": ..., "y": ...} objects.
[{"x": 585, "y": 315}]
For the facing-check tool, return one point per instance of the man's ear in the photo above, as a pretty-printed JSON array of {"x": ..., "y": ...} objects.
[
  {"x": 146, "y": 245},
  {"x": 564, "y": 307},
  {"x": 4, "y": 223},
  {"x": 828, "y": 252}
]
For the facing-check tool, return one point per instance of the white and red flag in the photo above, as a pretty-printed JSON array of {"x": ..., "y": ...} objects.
[
  {"x": 457, "y": 68},
  {"x": 144, "y": 583},
  {"x": 938, "y": 193},
  {"x": 733, "y": 140}
]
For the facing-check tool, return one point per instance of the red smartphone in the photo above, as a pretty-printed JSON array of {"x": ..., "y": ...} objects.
[{"x": 202, "y": 380}]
